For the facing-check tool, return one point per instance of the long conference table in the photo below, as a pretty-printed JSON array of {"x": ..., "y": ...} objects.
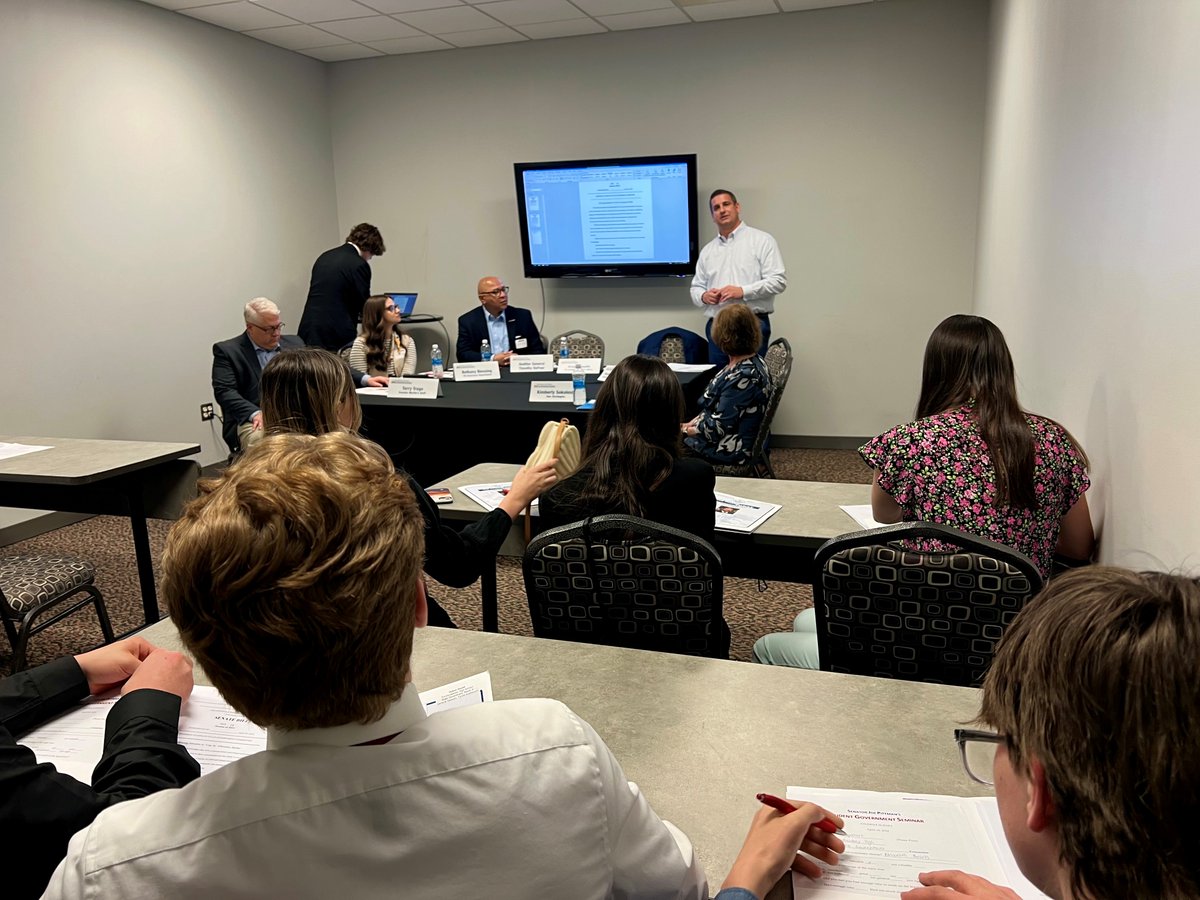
[
  {"x": 478, "y": 421},
  {"x": 781, "y": 549},
  {"x": 701, "y": 737},
  {"x": 135, "y": 479}
]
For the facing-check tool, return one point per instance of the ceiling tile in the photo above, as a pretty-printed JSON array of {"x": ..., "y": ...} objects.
[
  {"x": 566, "y": 28},
  {"x": 317, "y": 10},
  {"x": 372, "y": 28},
  {"x": 411, "y": 45},
  {"x": 650, "y": 19},
  {"x": 294, "y": 37},
  {"x": 183, "y": 4},
  {"x": 399, "y": 6},
  {"x": 445, "y": 21},
  {"x": 797, "y": 5},
  {"x": 731, "y": 9},
  {"x": 484, "y": 36},
  {"x": 525, "y": 12},
  {"x": 619, "y": 7},
  {"x": 339, "y": 52},
  {"x": 241, "y": 16}
]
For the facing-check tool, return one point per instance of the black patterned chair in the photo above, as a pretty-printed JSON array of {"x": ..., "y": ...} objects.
[
  {"x": 32, "y": 585},
  {"x": 627, "y": 582},
  {"x": 892, "y": 612},
  {"x": 778, "y": 360},
  {"x": 582, "y": 344}
]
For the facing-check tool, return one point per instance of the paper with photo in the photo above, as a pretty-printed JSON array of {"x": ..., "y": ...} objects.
[{"x": 740, "y": 514}]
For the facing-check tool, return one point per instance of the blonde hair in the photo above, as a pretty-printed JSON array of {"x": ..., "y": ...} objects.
[
  {"x": 293, "y": 580},
  {"x": 305, "y": 390}
]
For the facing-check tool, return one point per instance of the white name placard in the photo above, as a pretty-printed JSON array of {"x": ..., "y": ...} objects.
[
  {"x": 551, "y": 392},
  {"x": 480, "y": 371},
  {"x": 414, "y": 388},
  {"x": 536, "y": 362},
  {"x": 571, "y": 365}
]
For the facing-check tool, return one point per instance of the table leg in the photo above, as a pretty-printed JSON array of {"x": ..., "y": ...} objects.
[
  {"x": 490, "y": 599},
  {"x": 145, "y": 565}
]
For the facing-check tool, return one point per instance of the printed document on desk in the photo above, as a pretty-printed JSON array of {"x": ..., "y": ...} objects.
[
  {"x": 489, "y": 496},
  {"x": 863, "y": 515},
  {"x": 892, "y": 837},
  {"x": 8, "y": 451},
  {"x": 742, "y": 515}
]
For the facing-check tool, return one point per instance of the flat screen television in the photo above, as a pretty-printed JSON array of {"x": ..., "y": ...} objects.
[{"x": 608, "y": 218}]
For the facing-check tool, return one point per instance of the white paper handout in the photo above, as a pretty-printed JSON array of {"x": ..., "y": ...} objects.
[
  {"x": 690, "y": 367},
  {"x": 489, "y": 495},
  {"x": 464, "y": 692},
  {"x": 862, "y": 514},
  {"x": 8, "y": 451},
  {"x": 739, "y": 514},
  {"x": 603, "y": 376},
  {"x": 892, "y": 837}
]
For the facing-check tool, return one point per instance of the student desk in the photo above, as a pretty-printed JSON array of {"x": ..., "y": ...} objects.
[
  {"x": 702, "y": 736},
  {"x": 118, "y": 478},
  {"x": 781, "y": 549},
  {"x": 478, "y": 421}
]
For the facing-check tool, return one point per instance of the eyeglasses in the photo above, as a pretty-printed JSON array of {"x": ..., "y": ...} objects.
[
  {"x": 391, "y": 308},
  {"x": 978, "y": 752},
  {"x": 269, "y": 329},
  {"x": 495, "y": 292}
]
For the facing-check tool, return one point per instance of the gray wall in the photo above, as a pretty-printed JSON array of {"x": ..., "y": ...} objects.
[
  {"x": 158, "y": 173},
  {"x": 1088, "y": 256},
  {"x": 854, "y": 135}
]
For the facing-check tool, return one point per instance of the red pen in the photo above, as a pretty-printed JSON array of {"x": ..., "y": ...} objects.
[{"x": 784, "y": 807}]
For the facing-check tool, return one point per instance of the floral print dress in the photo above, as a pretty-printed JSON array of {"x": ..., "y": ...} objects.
[
  {"x": 731, "y": 411},
  {"x": 939, "y": 469}
]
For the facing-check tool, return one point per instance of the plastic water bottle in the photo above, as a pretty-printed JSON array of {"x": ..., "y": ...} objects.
[
  {"x": 435, "y": 361},
  {"x": 564, "y": 351},
  {"x": 577, "y": 381},
  {"x": 485, "y": 351}
]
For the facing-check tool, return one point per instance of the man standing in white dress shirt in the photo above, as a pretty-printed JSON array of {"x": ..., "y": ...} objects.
[
  {"x": 740, "y": 265},
  {"x": 296, "y": 583}
]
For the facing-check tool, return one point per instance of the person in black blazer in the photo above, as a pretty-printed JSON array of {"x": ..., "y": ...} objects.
[
  {"x": 340, "y": 285},
  {"x": 520, "y": 335},
  {"x": 237, "y": 368}
]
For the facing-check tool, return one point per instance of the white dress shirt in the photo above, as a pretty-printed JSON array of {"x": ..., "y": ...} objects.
[
  {"x": 497, "y": 331},
  {"x": 745, "y": 257},
  {"x": 512, "y": 799}
]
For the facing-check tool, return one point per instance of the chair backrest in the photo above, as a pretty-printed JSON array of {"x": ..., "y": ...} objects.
[
  {"x": 778, "y": 360},
  {"x": 671, "y": 349},
  {"x": 583, "y": 344},
  {"x": 627, "y": 582},
  {"x": 917, "y": 615}
]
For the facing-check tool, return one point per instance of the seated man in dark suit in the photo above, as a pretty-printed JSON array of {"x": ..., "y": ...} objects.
[
  {"x": 340, "y": 285},
  {"x": 508, "y": 329},
  {"x": 237, "y": 368}
]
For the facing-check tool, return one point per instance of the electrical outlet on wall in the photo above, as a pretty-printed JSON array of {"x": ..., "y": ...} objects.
[{"x": 206, "y": 412}]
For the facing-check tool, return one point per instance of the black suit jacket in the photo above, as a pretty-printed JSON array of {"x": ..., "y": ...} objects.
[
  {"x": 41, "y": 808},
  {"x": 235, "y": 380},
  {"x": 340, "y": 284},
  {"x": 473, "y": 330}
]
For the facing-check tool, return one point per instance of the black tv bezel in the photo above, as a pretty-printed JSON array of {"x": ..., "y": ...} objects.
[{"x": 623, "y": 270}]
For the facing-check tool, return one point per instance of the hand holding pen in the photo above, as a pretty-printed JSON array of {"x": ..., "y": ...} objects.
[{"x": 779, "y": 841}]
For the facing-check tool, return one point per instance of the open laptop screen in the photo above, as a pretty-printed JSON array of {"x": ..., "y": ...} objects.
[{"x": 404, "y": 302}]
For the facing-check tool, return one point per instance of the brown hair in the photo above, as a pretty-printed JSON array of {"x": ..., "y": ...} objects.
[
  {"x": 293, "y": 580},
  {"x": 377, "y": 334},
  {"x": 632, "y": 438},
  {"x": 718, "y": 192},
  {"x": 1097, "y": 679},
  {"x": 367, "y": 237},
  {"x": 304, "y": 390},
  {"x": 736, "y": 330}
]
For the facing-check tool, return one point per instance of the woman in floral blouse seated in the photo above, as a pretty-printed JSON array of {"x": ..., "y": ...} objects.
[
  {"x": 735, "y": 401},
  {"x": 382, "y": 349},
  {"x": 973, "y": 460}
]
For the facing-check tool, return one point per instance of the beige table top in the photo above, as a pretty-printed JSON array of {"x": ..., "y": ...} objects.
[
  {"x": 702, "y": 736},
  {"x": 83, "y": 460}
]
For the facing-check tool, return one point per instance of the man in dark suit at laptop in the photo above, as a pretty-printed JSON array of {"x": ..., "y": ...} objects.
[
  {"x": 237, "y": 368},
  {"x": 508, "y": 329},
  {"x": 341, "y": 283}
]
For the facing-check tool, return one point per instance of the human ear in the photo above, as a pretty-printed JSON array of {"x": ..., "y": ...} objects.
[
  {"x": 1039, "y": 805},
  {"x": 422, "y": 604}
]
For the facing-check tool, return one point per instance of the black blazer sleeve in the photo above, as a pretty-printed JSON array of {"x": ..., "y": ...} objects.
[
  {"x": 41, "y": 808},
  {"x": 457, "y": 558},
  {"x": 227, "y": 385},
  {"x": 467, "y": 347}
]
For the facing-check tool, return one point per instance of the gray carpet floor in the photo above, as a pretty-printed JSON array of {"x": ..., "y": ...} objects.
[{"x": 107, "y": 542}]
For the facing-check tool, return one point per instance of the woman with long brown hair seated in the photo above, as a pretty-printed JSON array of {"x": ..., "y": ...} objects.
[
  {"x": 382, "y": 348},
  {"x": 310, "y": 391},
  {"x": 631, "y": 457},
  {"x": 974, "y": 460}
]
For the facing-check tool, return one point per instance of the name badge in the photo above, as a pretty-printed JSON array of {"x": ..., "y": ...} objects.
[
  {"x": 570, "y": 366},
  {"x": 520, "y": 343},
  {"x": 414, "y": 388},
  {"x": 537, "y": 362},
  {"x": 551, "y": 392},
  {"x": 480, "y": 371}
]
